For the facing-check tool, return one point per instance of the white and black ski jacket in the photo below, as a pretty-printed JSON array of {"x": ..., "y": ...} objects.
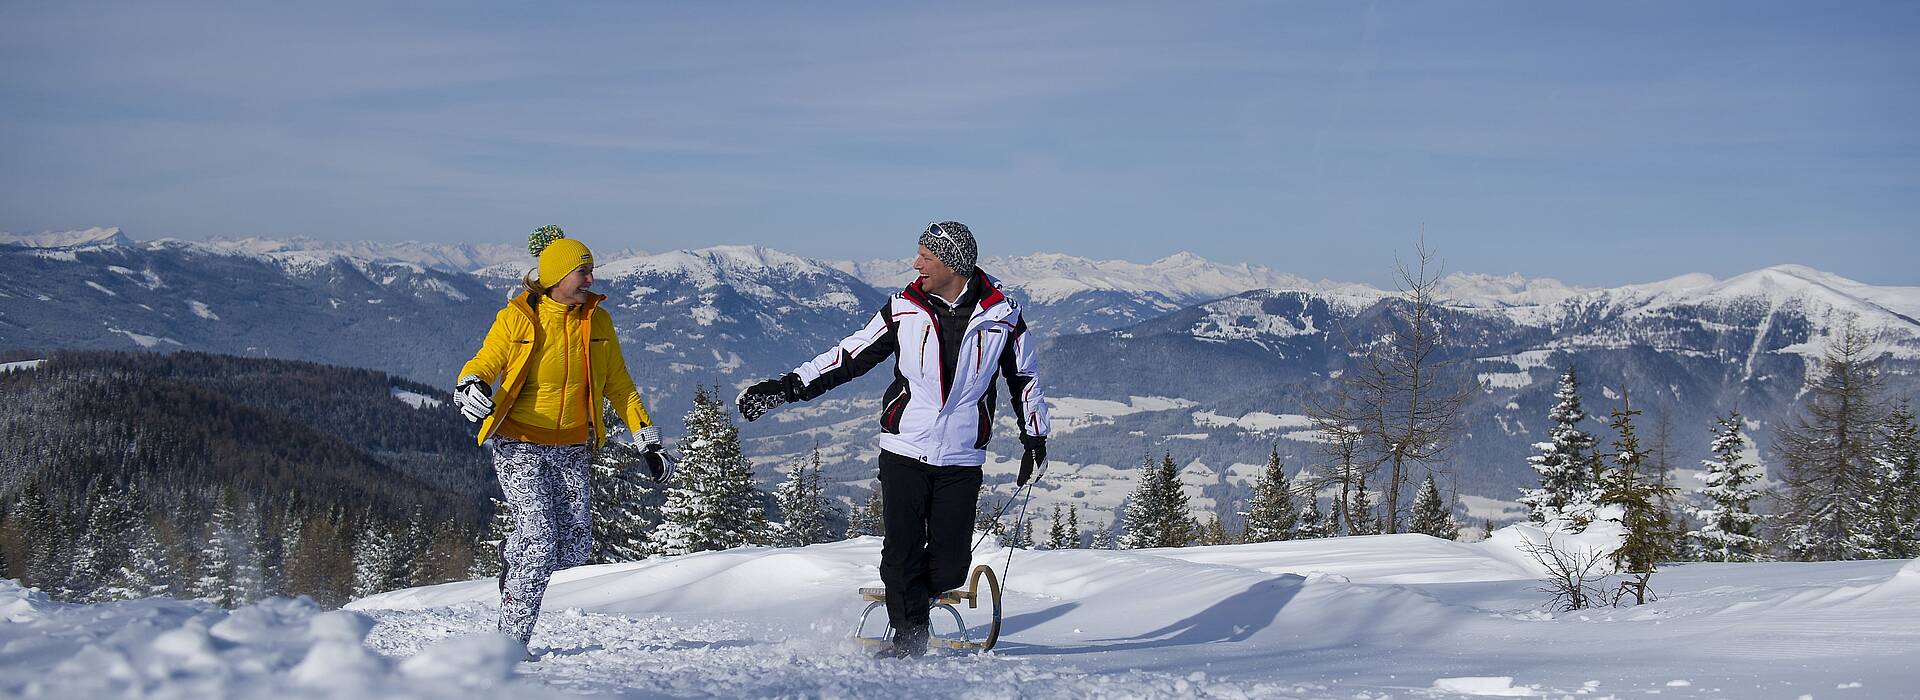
[{"x": 939, "y": 409}]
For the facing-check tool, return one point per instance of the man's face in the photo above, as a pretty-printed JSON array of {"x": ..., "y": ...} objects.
[{"x": 929, "y": 266}]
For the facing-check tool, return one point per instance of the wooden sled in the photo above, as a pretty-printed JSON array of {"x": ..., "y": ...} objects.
[{"x": 877, "y": 599}]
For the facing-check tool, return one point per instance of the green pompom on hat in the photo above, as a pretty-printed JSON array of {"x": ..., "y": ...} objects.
[{"x": 543, "y": 237}]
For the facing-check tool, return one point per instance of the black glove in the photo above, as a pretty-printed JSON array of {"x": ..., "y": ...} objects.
[
  {"x": 649, "y": 441},
  {"x": 474, "y": 398},
  {"x": 1036, "y": 453},
  {"x": 656, "y": 463},
  {"x": 764, "y": 396}
]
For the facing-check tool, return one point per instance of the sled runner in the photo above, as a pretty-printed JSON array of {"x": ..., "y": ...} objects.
[{"x": 877, "y": 599}]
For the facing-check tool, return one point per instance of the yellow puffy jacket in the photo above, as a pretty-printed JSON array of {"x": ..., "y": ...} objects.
[{"x": 566, "y": 391}]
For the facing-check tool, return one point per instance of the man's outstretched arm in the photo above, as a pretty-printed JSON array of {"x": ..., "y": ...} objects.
[{"x": 852, "y": 357}]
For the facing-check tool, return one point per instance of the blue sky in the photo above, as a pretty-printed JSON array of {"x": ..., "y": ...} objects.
[{"x": 1599, "y": 143}]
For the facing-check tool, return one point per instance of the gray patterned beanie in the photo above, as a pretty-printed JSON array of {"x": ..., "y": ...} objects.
[{"x": 952, "y": 243}]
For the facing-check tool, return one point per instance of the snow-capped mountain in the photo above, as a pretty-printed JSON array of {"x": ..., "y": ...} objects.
[
  {"x": 448, "y": 257},
  {"x": 1218, "y": 380},
  {"x": 1686, "y": 349}
]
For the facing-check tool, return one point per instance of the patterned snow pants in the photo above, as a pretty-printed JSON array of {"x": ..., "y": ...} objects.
[{"x": 546, "y": 485}]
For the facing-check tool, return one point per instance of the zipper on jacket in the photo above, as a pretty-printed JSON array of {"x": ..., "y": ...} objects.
[
  {"x": 924, "y": 333},
  {"x": 979, "y": 350}
]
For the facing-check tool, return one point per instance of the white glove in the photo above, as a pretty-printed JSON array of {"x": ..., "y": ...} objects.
[
  {"x": 474, "y": 398},
  {"x": 648, "y": 438}
]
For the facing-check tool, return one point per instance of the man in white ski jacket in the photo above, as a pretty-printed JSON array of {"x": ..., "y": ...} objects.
[{"x": 950, "y": 333}]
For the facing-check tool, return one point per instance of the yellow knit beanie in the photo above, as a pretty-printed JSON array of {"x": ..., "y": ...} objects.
[{"x": 558, "y": 256}]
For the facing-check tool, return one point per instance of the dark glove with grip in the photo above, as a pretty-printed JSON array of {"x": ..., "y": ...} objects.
[
  {"x": 1035, "y": 453},
  {"x": 767, "y": 395}
]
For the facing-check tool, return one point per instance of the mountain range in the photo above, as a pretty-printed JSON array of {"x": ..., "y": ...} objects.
[{"x": 1211, "y": 362}]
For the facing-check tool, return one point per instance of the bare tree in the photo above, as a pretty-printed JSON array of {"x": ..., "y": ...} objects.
[
  {"x": 1348, "y": 462},
  {"x": 1573, "y": 577},
  {"x": 1404, "y": 397}
]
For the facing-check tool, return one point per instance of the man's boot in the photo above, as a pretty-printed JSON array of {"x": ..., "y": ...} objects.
[{"x": 907, "y": 643}]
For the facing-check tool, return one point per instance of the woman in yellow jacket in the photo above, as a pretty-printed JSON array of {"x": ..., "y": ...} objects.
[{"x": 555, "y": 357}]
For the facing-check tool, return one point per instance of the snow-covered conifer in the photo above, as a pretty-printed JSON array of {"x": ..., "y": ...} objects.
[
  {"x": 626, "y": 500},
  {"x": 1828, "y": 448},
  {"x": 1566, "y": 464},
  {"x": 148, "y": 569},
  {"x": 215, "y": 582},
  {"x": 1271, "y": 516},
  {"x": 1103, "y": 538},
  {"x": 804, "y": 507},
  {"x": 1727, "y": 524},
  {"x": 712, "y": 502},
  {"x": 46, "y": 566},
  {"x": 1893, "y": 495},
  {"x": 102, "y": 544},
  {"x": 1431, "y": 515},
  {"x": 1179, "y": 528},
  {"x": 1214, "y": 532},
  {"x": 868, "y": 520},
  {"x": 1313, "y": 525}
]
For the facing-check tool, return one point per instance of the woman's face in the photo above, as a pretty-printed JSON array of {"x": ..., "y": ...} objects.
[{"x": 573, "y": 288}]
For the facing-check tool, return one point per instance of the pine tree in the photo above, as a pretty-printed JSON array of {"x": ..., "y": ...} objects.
[
  {"x": 1022, "y": 536},
  {"x": 984, "y": 519},
  {"x": 1648, "y": 541},
  {"x": 869, "y": 520},
  {"x": 249, "y": 573},
  {"x": 1313, "y": 526},
  {"x": 713, "y": 503},
  {"x": 1058, "y": 536},
  {"x": 1566, "y": 464},
  {"x": 1430, "y": 515},
  {"x": 148, "y": 569},
  {"x": 1828, "y": 448},
  {"x": 626, "y": 500},
  {"x": 1486, "y": 529},
  {"x": 1143, "y": 516},
  {"x": 1361, "y": 520},
  {"x": 378, "y": 562},
  {"x": 102, "y": 544},
  {"x": 803, "y": 505},
  {"x": 1727, "y": 525},
  {"x": 415, "y": 565},
  {"x": 1157, "y": 513},
  {"x": 1103, "y": 538},
  {"x": 216, "y": 563},
  {"x": 47, "y": 561},
  {"x": 1271, "y": 516},
  {"x": 1214, "y": 532},
  {"x": 1894, "y": 493},
  {"x": 1073, "y": 526},
  {"x": 1179, "y": 529},
  {"x": 289, "y": 529}
]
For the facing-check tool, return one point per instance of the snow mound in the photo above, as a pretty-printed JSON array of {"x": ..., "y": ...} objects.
[{"x": 276, "y": 648}]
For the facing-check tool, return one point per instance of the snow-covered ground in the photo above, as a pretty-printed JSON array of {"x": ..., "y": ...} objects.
[{"x": 1400, "y": 616}]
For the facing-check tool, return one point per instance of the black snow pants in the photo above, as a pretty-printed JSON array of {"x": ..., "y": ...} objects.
[{"x": 928, "y": 512}]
